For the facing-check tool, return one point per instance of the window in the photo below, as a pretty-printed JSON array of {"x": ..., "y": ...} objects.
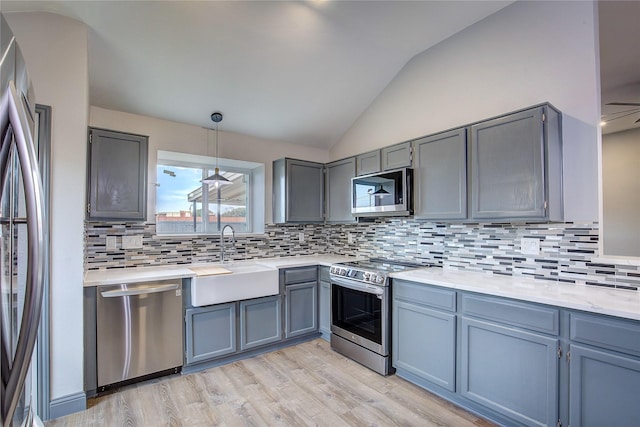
[{"x": 184, "y": 205}]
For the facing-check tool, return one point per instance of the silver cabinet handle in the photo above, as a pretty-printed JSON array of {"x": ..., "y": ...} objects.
[
  {"x": 138, "y": 290},
  {"x": 13, "y": 118}
]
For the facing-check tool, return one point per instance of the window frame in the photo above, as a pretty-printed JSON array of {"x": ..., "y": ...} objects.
[{"x": 207, "y": 165}]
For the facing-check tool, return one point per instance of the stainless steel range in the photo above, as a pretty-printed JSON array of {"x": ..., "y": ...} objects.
[{"x": 361, "y": 311}]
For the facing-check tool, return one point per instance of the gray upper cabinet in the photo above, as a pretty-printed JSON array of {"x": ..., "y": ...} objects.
[
  {"x": 516, "y": 166},
  {"x": 338, "y": 190},
  {"x": 117, "y": 175},
  {"x": 440, "y": 176},
  {"x": 367, "y": 163},
  {"x": 396, "y": 156},
  {"x": 298, "y": 191}
]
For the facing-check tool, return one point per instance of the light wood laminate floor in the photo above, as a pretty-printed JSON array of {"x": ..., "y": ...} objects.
[{"x": 303, "y": 385}]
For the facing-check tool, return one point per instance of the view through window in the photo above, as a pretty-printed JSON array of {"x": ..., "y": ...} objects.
[{"x": 184, "y": 205}]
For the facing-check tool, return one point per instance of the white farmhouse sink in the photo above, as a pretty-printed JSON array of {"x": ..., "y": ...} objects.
[{"x": 246, "y": 281}]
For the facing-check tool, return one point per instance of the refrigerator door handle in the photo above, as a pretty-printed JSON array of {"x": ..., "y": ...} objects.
[
  {"x": 139, "y": 290},
  {"x": 12, "y": 113}
]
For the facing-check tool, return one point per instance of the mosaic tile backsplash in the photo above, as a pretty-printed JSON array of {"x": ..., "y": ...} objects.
[{"x": 567, "y": 250}]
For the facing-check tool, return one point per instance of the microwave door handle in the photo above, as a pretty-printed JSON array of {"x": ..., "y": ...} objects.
[{"x": 13, "y": 112}]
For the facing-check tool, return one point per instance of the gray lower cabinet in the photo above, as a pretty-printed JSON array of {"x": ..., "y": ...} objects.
[
  {"x": 260, "y": 322},
  {"x": 516, "y": 362},
  {"x": 516, "y": 166},
  {"x": 299, "y": 286},
  {"x": 415, "y": 329},
  {"x": 511, "y": 371},
  {"x": 440, "y": 176},
  {"x": 604, "y": 371},
  {"x": 301, "y": 315},
  {"x": 324, "y": 303},
  {"x": 298, "y": 191},
  {"x": 338, "y": 190},
  {"x": 604, "y": 388},
  {"x": 210, "y": 332}
]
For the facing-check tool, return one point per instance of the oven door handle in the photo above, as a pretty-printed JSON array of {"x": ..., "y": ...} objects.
[{"x": 356, "y": 286}]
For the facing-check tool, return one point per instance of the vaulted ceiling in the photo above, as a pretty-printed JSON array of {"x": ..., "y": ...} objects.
[{"x": 295, "y": 71}]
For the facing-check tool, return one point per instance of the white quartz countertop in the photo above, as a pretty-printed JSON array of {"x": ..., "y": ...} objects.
[
  {"x": 117, "y": 276},
  {"x": 595, "y": 299},
  {"x": 613, "y": 302}
]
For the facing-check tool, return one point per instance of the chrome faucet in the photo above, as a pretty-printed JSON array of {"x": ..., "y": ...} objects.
[{"x": 233, "y": 237}]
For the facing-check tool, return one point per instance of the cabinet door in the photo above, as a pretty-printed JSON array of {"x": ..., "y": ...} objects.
[
  {"x": 301, "y": 315},
  {"x": 440, "y": 175},
  {"x": 324, "y": 313},
  {"x": 260, "y": 322},
  {"x": 510, "y": 371},
  {"x": 604, "y": 388},
  {"x": 396, "y": 156},
  {"x": 305, "y": 191},
  {"x": 424, "y": 343},
  {"x": 508, "y": 167},
  {"x": 368, "y": 163},
  {"x": 117, "y": 175},
  {"x": 338, "y": 190},
  {"x": 210, "y": 332}
]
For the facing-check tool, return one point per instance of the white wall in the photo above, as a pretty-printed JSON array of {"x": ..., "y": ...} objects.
[
  {"x": 621, "y": 189},
  {"x": 525, "y": 54},
  {"x": 174, "y": 136},
  {"x": 55, "y": 50}
]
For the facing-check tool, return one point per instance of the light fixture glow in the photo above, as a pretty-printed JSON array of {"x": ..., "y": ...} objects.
[
  {"x": 216, "y": 178},
  {"x": 380, "y": 192}
]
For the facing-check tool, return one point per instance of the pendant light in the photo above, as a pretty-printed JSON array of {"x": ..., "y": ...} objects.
[
  {"x": 380, "y": 192},
  {"x": 216, "y": 178}
]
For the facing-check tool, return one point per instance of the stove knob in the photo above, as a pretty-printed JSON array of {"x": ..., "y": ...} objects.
[
  {"x": 380, "y": 279},
  {"x": 366, "y": 276}
]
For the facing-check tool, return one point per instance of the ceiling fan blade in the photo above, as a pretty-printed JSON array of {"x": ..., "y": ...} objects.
[
  {"x": 635, "y": 104},
  {"x": 637, "y": 121}
]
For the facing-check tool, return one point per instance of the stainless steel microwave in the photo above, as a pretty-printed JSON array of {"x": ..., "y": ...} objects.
[{"x": 387, "y": 193}]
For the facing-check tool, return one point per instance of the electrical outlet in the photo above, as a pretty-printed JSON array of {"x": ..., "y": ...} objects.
[
  {"x": 350, "y": 238},
  {"x": 529, "y": 246},
  {"x": 301, "y": 237},
  {"x": 111, "y": 243},
  {"x": 132, "y": 242}
]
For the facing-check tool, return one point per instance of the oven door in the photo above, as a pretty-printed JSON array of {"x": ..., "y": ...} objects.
[{"x": 360, "y": 313}]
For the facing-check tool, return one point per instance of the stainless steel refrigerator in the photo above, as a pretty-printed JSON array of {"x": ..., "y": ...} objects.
[{"x": 22, "y": 236}]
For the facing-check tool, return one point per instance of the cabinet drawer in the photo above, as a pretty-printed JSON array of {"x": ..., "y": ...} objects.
[
  {"x": 523, "y": 315},
  {"x": 300, "y": 275},
  {"x": 417, "y": 293},
  {"x": 601, "y": 331}
]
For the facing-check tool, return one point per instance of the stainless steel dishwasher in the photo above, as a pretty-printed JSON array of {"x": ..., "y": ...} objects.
[{"x": 139, "y": 330}]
